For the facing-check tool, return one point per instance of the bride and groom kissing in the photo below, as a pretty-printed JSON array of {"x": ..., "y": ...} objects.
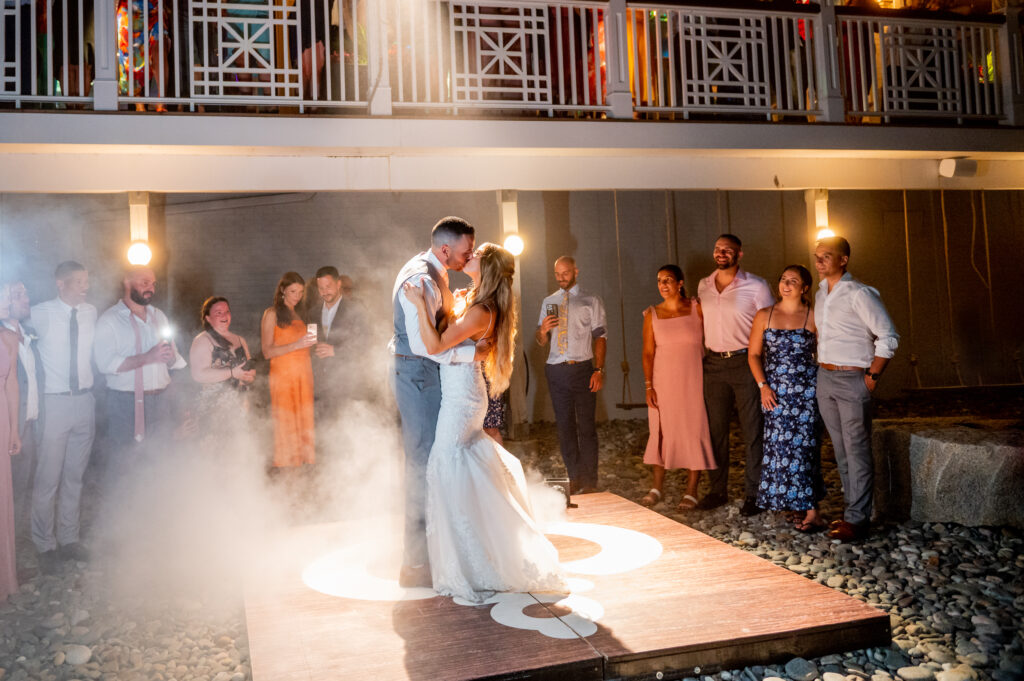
[{"x": 470, "y": 529}]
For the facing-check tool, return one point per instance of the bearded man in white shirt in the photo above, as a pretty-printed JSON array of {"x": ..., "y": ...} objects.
[{"x": 856, "y": 340}]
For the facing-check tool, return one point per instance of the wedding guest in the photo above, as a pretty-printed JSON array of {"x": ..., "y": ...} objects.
[
  {"x": 218, "y": 357},
  {"x": 575, "y": 370},
  {"x": 29, "y": 404},
  {"x": 285, "y": 341},
  {"x": 135, "y": 352},
  {"x": 856, "y": 340},
  {"x": 10, "y": 445},
  {"x": 781, "y": 358},
  {"x": 339, "y": 358},
  {"x": 66, "y": 327},
  {"x": 672, "y": 354},
  {"x": 730, "y": 297}
]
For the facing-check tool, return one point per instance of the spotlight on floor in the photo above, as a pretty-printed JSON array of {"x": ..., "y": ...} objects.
[{"x": 139, "y": 253}]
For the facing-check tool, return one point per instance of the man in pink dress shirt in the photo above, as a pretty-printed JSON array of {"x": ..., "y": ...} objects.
[{"x": 730, "y": 297}]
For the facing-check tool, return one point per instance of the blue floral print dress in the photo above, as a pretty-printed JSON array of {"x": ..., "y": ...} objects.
[{"x": 791, "y": 467}]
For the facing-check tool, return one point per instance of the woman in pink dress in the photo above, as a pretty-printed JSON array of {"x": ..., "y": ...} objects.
[
  {"x": 10, "y": 445},
  {"x": 674, "y": 379}
]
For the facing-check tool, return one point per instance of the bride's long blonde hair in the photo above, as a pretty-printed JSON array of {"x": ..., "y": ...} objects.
[{"x": 497, "y": 267}]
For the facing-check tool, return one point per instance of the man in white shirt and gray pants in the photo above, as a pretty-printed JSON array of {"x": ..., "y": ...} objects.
[
  {"x": 856, "y": 340},
  {"x": 66, "y": 326}
]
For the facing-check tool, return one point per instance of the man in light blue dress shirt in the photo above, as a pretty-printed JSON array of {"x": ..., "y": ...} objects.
[{"x": 573, "y": 321}]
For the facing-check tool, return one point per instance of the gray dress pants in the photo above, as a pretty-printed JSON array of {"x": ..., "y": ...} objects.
[
  {"x": 417, "y": 387},
  {"x": 845, "y": 406},
  {"x": 63, "y": 454},
  {"x": 575, "y": 410}
]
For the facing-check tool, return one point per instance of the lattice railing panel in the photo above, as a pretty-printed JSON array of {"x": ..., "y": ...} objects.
[
  {"x": 499, "y": 54},
  {"x": 919, "y": 68},
  {"x": 699, "y": 60},
  {"x": 245, "y": 49}
]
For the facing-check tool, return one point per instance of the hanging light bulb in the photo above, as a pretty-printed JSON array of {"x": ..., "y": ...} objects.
[
  {"x": 139, "y": 253},
  {"x": 514, "y": 244},
  {"x": 825, "y": 233}
]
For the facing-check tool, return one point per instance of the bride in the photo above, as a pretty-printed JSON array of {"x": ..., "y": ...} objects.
[{"x": 482, "y": 536}]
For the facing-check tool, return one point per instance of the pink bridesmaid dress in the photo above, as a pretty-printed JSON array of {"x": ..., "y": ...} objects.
[
  {"x": 8, "y": 568},
  {"x": 679, "y": 426}
]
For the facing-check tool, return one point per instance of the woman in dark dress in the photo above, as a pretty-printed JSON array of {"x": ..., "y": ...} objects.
[{"x": 782, "y": 347}]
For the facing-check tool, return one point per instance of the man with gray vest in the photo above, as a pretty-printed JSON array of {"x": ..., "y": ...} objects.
[{"x": 417, "y": 381}]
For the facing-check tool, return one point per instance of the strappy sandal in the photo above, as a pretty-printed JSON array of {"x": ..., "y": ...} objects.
[
  {"x": 688, "y": 503},
  {"x": 651, "y": 498}
]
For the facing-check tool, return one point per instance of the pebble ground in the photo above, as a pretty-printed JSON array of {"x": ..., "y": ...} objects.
[{"x": 955, "y": 594}]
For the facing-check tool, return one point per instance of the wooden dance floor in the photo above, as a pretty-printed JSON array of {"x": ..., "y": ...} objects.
[{"x": 649, "y": 594}]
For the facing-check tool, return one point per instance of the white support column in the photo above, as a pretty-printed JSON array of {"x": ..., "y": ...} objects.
[
  {"x": 517, "y": 425},
  {"x": 816, "y": 201},
  {"x": 620, "y": 98},
  {"x": 826, "y": 54},
  {"x": 378, "y": 71},
  {"x": 1011, "y": 65},
  {"x": 104, "y": 89}
]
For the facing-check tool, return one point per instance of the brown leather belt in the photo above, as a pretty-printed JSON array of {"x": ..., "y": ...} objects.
[{"x": 838, "y": 367}]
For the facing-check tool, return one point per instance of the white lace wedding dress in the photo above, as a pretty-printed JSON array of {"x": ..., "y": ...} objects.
[{"x": 481, "y": 534}]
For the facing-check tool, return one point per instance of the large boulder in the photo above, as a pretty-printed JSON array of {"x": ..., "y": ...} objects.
[{"x": 967, "y": 471}]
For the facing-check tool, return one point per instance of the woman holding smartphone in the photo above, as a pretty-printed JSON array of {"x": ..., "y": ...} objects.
[{"x": 285, "y": 341}]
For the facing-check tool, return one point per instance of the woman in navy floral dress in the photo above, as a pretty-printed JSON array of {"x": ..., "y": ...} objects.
[{"x": 781, "y": 356}]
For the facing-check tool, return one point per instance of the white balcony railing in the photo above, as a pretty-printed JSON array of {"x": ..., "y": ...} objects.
[{"x": 611, "y": 58}]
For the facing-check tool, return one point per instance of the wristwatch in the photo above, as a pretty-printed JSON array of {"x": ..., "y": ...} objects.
[
  {"x": 761, "y": 384},
  {"x": 873, "y": 376},
  {"x": 599, "y": 370}
]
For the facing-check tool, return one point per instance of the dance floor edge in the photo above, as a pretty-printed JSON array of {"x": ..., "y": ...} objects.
[{"x": 649, "y": 595}]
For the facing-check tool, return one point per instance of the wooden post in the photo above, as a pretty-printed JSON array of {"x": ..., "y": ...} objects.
[
  {"x": 620, "y": 98},
  {"x": 1011, "y": 65},
  {"x": 826, "y": 53},
  {"x": 104, "y": 89},
  {"x": 379, "y": 94}
]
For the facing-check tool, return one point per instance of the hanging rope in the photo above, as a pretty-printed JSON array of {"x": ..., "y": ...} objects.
[
  {"x": 910, "y": 291},
  {"x": 627, "y": 392},
  {"x": 954, "y": 358}
]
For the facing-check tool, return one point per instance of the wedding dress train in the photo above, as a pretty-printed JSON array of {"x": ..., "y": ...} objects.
[{"x": 482, "y": 536}]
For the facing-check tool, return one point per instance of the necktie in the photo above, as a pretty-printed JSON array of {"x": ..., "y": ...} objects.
[
  {"x": 140, "y": 394},
  {"x": 563, "y": 325},
  {"x": 73, "y": 366}
]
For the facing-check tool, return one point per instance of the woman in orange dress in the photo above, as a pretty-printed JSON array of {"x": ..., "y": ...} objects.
[{"x": 286, "y": 344}]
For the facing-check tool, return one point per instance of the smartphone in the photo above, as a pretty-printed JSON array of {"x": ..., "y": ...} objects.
[
  {"x": 552, "y": 309},
  {"x": 311, "y": 330}
]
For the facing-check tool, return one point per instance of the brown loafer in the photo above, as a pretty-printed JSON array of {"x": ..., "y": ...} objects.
[{"x": 848, "y": 532}]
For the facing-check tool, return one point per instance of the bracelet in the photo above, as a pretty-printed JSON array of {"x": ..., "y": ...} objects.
[{"x": 648, "y": 384}]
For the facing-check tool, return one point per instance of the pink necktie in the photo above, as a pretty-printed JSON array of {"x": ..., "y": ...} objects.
[{"x": 140, "y": 394}]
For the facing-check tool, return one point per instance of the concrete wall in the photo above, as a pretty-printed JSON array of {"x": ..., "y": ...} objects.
[{"x": 238, "y": 246}]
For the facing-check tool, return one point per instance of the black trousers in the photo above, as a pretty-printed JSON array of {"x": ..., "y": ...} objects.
[
  {"x": 728, "y": 381},
  {"x": 575, "y": 407}
]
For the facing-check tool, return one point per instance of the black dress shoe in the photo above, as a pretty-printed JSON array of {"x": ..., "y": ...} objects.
[
  {"x": 410, "y": 577},
  {"x": 712, "y": 500},
  {"x": 49, "y": 563},
  {"x": 750, "y": 508},
  {"x": 75, "y": 552}
]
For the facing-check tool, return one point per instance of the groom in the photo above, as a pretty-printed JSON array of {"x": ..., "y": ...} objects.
[{"x": 417, "y": 384}]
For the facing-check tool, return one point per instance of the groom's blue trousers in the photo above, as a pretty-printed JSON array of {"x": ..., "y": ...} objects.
[{"x": 417, "y": 387}]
